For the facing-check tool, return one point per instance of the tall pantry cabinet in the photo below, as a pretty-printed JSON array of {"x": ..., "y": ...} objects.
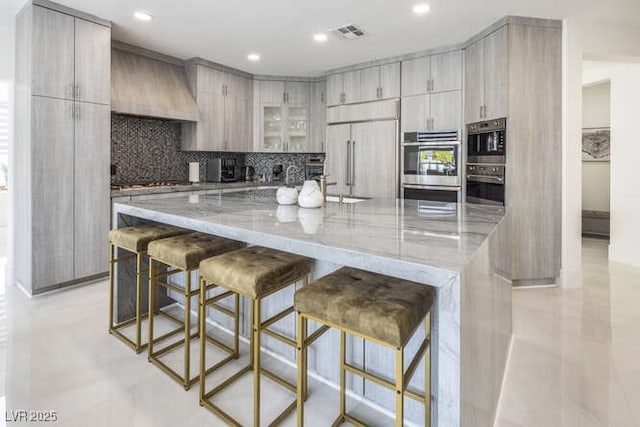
[{"x": 62, "y": 146}]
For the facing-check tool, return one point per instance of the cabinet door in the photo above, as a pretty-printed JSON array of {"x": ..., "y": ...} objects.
[
  {"x": 298, "y": 93},
  {"x": 446, "y": 71},
  {"x": 318, "y": 121},
  {"x": 474, "y": 81},
  {"x": 351, "y": 82},
  {"x": 446, "y": 110},
  {"x": 390, "y": 81},
  {"x": 335, "y": 88},
  {"x": 336, "y": 158},
  {"x": 92, "y": 62},
  {"x": 53, "y": 54},
  {"x": 271, "y": 92},
  {"x": 414, "y": 114},
  {"x": 297, "y": 136},
  {"x": 496, "y": 82},
  {"x": 52, "y": 198},
  {"x": 91, "y": 192},
  {"x": 370, "y": 84},
  {"x": 273, "y": 123},
  {"x": 415, "y": 73},
  {"x": 237, "y": 124},
  {"x": 374, "y": 146}
]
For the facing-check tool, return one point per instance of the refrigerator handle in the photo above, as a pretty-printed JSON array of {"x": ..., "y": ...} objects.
[
  {"x": 348, "y": 177},
  {"x": 353, "y": 163}
]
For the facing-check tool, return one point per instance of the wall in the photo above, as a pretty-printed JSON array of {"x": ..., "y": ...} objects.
[
  {"x": 625, "y": 192},
  {"x": 148, "y": 150},
  {"x": 607, "y": 29},
  {"x": 595, "y": 175}
]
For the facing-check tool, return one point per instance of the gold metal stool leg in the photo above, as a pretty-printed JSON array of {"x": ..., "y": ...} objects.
[
  {"x": 399, "y": 387},
  {"x": 151, "y": 307},
  {"x": 139, "y": 257},
  {"x": 111, "y": 285},
  {"x": 187, "y": 329},
  {"x": 427, "y": 372},
  {"x": 255, "y": 305}
]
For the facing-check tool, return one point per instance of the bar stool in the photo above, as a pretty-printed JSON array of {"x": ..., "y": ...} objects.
[
  {"x": 378, "y": 308},
  {"x": 255, "y": 273},
  {"x": 180, "y": 254},
  {"x": 133, "y": 239}
]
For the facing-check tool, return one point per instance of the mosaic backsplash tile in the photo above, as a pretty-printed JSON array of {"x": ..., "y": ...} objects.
[{"x": 147, "y": 150}]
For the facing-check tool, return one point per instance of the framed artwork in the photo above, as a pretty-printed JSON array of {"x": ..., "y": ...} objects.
[{"x": 596, "y": 144}]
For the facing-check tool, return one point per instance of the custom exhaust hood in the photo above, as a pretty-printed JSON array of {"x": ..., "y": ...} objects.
[{"x": 145, "y": 83}]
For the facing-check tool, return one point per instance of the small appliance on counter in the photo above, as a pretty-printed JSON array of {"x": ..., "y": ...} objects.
[
  {"x": 314, "y": 168},
  {"x": 194, "y": 172},
  {"x": 223, "y": 170},
  {"x": 431, "y": 166},
  {"x": 249, "y": 173}
]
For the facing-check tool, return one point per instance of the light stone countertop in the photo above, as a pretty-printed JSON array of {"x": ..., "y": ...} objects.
[{"x": 428, "y": 242}]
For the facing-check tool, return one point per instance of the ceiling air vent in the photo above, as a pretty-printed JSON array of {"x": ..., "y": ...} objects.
[{"x": 350, "y": 31}]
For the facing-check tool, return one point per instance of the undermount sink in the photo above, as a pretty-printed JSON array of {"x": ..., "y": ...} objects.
[{"x": 336, "y": 199}]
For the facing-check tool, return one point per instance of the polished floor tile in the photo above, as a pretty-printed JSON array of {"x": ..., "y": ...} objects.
[{"x": 575, "y": 361}]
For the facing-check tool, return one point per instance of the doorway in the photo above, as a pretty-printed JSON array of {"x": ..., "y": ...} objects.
[{"x": 596, "y": 151}]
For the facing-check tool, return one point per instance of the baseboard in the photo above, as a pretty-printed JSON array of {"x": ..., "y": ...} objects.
[
  {"x": 533, "y": 283},
  {"x": 70, "y": 285}
]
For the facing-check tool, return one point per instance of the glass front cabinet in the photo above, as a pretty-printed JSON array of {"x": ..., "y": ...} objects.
[{"x": 284, "y": 110}]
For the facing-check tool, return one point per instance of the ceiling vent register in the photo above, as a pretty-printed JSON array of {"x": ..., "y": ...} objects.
[{"x": 349, "y": 31}]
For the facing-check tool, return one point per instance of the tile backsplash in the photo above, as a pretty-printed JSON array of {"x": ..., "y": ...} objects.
[{"x": 148, "y": 150}]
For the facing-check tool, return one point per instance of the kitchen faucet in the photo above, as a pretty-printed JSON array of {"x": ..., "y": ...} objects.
[{"x": 286, "y": 174}]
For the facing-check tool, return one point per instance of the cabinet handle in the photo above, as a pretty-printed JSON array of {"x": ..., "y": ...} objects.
[
  {"x": 353, "y": 163},
  {"x": 77, "y": 111},
  {"x": 284, "y": 97},
  {"x": 77, "y": 91},
  {"x": 322, "y": 97},
  {"x": 348, "y": 163},
  {"x": 71, "y": 91}
]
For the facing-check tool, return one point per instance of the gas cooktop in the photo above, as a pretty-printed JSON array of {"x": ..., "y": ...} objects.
[{"x": 148, "y": 185}]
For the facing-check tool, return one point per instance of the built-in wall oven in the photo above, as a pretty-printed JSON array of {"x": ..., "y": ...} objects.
[
  {"x": 431, "y": 165},
  {"x": 486, "y": 162}
]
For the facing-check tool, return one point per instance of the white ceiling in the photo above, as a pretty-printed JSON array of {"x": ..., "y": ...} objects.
[{"x": 281, "y": 31}]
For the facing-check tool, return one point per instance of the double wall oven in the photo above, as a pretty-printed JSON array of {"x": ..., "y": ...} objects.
[
  {"x": 486, "y": 159},
  {"x": 431, "y": 166}
]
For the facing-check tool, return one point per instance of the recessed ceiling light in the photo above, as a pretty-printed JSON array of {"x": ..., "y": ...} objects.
[
  {"x": 320, "y": 37},
  {"x": 143, "y": 15},
  {"x": 421, "y": 8},
  {"x": 253, "y": 57}
]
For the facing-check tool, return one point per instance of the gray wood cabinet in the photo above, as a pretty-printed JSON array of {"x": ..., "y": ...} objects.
[
  {"x": 435, "y": 73},
  {"x": 92, "y": 66},
  {"x": 53, "y": 192},
  {"x": 225, "y": 102},
  {"x": 362, "y": 158},
  {"x": 486, "y": 77},
  {"x": 371, "y": 144},
  {"x": 92, "y": 146},
  {"x": 285, "y": 111},
  {"x": 62, "y": 159},
  {"x": 367, "y": 84},
  {"x": 68, "y": 65},
  {"x": 437, "y": 111},
  {"x": 318, "y": 121},
  {"x": 380, "y": 82}
]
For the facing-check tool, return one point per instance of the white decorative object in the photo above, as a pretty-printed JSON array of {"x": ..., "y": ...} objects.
[
  {"x": 310, "y": 195},
  {"x": 287, "y": 213},
  {"x": 287, "y": 195},
  {"x": 310, "y": 219},
  {"x": 194, "y": 171}
]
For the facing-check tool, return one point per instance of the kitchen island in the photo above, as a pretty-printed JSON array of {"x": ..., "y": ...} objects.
[{"x": 456, "y": 248}]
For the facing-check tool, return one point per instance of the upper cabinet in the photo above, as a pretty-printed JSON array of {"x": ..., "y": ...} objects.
[
  {"x": 318, "y": 120},
  {"x": 66, "y": 63},
  {"x": 487, "y": 77},
  {"x": 368, "y": 84},
  {"x": 225, "y": 101},
  {"x": 284, "y": 109},
  {"x": 436, "y": 73}
]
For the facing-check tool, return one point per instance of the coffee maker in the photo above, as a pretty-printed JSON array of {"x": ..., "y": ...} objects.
[{"x": 223, "y": 170}]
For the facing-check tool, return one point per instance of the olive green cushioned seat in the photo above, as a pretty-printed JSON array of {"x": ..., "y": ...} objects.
[
  {"x": 136, "y": 238},
  {"x": 376, "y": 306},
  {"x": 254, "y": 271},
  {"x": 187, "y": 250}
]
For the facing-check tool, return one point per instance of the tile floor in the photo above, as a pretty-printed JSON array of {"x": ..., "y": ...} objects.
[{"x": 575, "y": 360}]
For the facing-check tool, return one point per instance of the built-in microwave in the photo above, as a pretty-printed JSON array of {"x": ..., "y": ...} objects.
[
  {"x": 486, "y": 142},
  {"x": 431, "y": 158}
]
